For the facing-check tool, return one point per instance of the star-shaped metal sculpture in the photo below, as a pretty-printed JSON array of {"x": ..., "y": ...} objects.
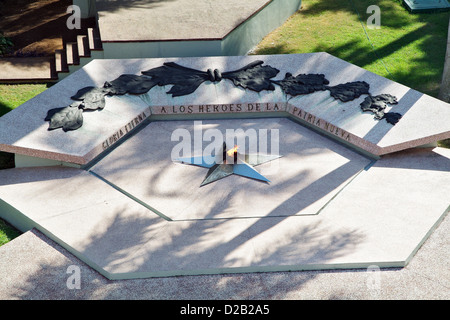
[{"x": 228, "y": 162}]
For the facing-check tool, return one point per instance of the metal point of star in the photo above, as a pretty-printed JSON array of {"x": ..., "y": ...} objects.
[{"x": 228, "y": 162}]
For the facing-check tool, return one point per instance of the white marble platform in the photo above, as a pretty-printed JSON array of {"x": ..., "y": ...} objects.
[
  {"x": 350, "y": 193},
  {"x": 311, "y": 171},
  {"x": 381, "y": 218}
]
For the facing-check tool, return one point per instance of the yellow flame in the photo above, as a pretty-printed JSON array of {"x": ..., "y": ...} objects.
[{"x": 231, "y": 152}]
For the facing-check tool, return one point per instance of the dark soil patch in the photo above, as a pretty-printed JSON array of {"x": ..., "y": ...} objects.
[{"x": 36, "y": 27}]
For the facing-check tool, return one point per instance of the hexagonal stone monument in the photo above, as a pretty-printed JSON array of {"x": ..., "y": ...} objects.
[
  {"x": 160, "y": 167},
  {"x": 426, "y": 5}
]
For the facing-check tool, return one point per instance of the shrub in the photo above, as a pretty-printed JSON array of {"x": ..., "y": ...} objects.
[{"x": 5, "y": 44}]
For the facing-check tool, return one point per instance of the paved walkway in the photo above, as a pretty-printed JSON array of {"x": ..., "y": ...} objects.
[
  {"x": 25, "y": 69},
  {"x": 34, "y": 267},
  {"x": 172, "y": 20}
]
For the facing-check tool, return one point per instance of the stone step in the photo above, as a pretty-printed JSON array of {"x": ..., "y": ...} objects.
[
  {"x": 61, "y": 61},
  {"x": 73, "y": 56},
  {"x": 24, "y": 70},
  {"x": 95, "y": 42},
  {"x": 83, "y": 46},
  {"x": 76, "y": 52}
]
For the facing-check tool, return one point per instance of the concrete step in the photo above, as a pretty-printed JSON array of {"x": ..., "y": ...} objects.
[
  {"x": 76, "y": 47},
  {"x": 26, "y": 70},
  {"x": 61, "y": 61},
  {"x": 78, "y": 51},
  {"x": 73, "y": 56},
  {"x": 95, "y": 42},
  {"x": 83, "y": 46}
]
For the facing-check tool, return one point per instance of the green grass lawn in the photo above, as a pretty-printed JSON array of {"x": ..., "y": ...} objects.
[
  {"x": 407, "y": 48},
  {"x": 13, "y": 95},
  {"x": 7, "y": 232}
]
